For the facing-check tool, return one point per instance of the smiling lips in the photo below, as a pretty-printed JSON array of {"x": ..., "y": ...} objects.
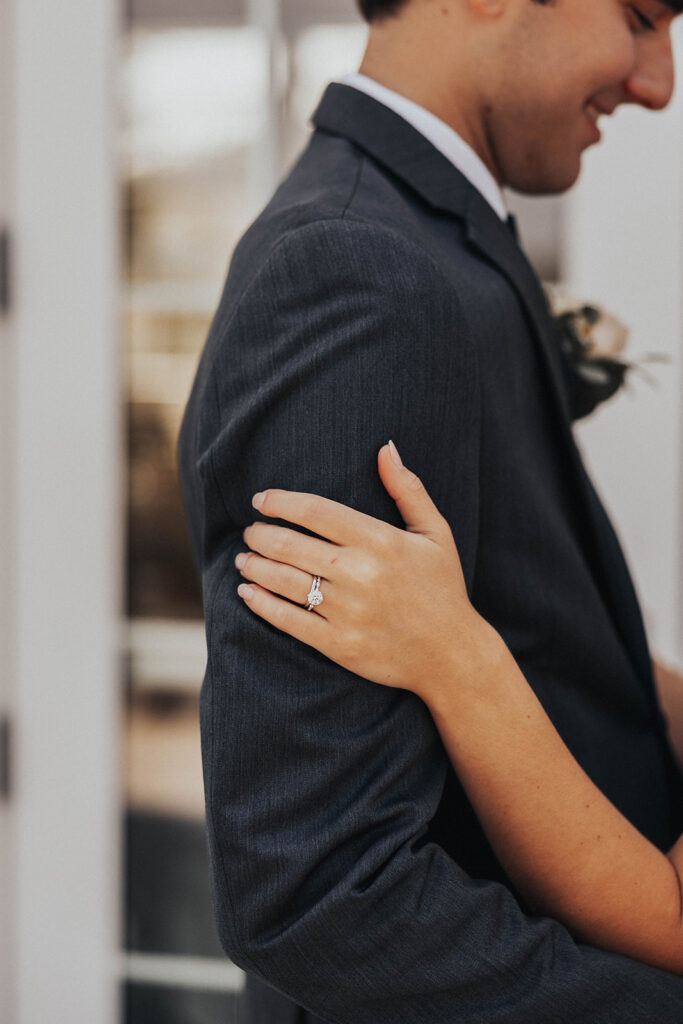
[{"x": 592, "y": 112}]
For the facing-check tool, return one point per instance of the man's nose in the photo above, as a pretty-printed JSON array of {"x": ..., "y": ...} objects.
[{"x": 651, "y": 82}]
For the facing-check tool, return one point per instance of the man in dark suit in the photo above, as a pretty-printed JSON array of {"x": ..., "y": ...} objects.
[{"x": 382, "y": 293}]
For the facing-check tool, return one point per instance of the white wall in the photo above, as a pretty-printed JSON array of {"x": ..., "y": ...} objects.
[
  {"x": 625, "y": 250},
  {"x": 65, "y": 487},
  {"x": 6, "y": 817}
]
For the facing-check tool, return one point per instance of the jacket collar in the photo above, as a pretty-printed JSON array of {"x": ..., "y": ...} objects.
[
  {"x": 404, "y": 151},
  {"x": 395, "y": 144}
]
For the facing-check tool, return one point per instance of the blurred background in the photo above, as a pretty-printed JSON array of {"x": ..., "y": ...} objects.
[{"x": 137, "y": 141}]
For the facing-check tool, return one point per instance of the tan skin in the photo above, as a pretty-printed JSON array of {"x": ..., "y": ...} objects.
[
  {"x": 567, "y": 848},
  {"x": 670, "y": 689},
  {"x": 515, "y": 77}
]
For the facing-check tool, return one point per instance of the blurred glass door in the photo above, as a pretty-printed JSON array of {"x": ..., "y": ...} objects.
[{"x": 216, "y": 96}]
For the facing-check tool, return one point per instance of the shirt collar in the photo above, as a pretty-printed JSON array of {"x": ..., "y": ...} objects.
[{"x": 441, "y": 135}]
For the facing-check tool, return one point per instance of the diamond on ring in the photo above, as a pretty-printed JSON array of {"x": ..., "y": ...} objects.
[{"x": 314, "y": 596}]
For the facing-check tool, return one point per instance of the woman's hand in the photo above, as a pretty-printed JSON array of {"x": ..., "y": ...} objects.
[{"x": 395, "y": 607}]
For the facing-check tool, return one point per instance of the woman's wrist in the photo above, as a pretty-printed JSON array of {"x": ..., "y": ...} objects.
[{"x": 474, "y": 671}]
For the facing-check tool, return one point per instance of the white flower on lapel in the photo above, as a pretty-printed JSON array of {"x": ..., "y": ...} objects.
[
  {"x": 591, "y": 340},
  {"x": 602, "y": 333}
]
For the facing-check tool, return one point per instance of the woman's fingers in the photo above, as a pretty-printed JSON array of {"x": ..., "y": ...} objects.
[
  {"x": 282, "y": 579},
  {"x": 417, "y": 509},
  {"x": 346, "y": 526},
  {"x": 330, "y": 519},
  {"x": 306, "y": 626},
  {"x": 309, "y": 554}
]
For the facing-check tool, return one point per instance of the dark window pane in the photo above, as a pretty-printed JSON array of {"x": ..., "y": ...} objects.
[{"x": 152, "y": 1004}]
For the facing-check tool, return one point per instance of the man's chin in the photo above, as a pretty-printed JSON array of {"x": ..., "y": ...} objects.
[{"x": 549, "y": 182}]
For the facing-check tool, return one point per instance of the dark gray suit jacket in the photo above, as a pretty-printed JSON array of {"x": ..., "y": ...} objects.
[{"x": 378, "y": 296}]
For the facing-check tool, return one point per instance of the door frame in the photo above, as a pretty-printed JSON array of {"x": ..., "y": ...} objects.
[
  {"x": 6, "y": 669},
  {"x": 62, "y": 460}
]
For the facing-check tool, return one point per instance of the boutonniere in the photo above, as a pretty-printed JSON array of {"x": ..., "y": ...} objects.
[{"x": 593, "y": 342}]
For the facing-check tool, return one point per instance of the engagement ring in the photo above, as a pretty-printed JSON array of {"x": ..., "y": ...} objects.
[{"x": 314, "y": 596}]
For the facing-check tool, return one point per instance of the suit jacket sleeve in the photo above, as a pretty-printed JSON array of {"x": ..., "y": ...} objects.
[{"x": 319, "y": 785}]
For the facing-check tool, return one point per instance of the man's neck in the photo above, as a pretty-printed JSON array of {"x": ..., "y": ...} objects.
[{"x": 400, "y": 55}]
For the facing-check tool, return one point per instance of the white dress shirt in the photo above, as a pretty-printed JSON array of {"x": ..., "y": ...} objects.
[{"x": 441, "y": 135}]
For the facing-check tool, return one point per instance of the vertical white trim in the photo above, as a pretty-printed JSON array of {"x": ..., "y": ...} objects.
[
  {"x": 67, "y": 488},
  {"x": 264, "y": 156},
  {"x": 625, "y": 250},
  {"x": 7, "y": 827}
]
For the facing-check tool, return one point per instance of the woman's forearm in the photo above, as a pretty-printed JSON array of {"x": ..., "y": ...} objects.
[
  {"x": 570, "y": 852},
  {"x": 565, "y": 846}
]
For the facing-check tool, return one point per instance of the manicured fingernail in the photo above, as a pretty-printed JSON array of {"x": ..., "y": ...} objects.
[
  {"x": 241, "y": 560},
  {"x": 395, "y": 456},
  {"x": 258, "y": 499},
  {"x": 245, "y": 591}
]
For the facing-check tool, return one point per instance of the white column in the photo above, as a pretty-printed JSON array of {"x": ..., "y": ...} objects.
[
  {"x": 7, "y": 906},
  {"x": 625, "y": 251},
  {"x": 264, "y": 155},
  {"x": 67, "y": 496}
]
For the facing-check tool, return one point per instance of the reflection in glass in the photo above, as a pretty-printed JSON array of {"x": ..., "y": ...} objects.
[
  {"x": 195, "y": 101},
  {"x": 211, "y": 116}
]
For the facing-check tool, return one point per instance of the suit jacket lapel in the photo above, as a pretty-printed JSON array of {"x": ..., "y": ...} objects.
[
  {"x": 604, "y": 553},
  {"x": 406, "y": 153},
  {"x": 496, "y": 244}
]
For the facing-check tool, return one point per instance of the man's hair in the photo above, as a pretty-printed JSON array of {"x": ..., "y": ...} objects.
[{"x": 374, "y": 10}]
